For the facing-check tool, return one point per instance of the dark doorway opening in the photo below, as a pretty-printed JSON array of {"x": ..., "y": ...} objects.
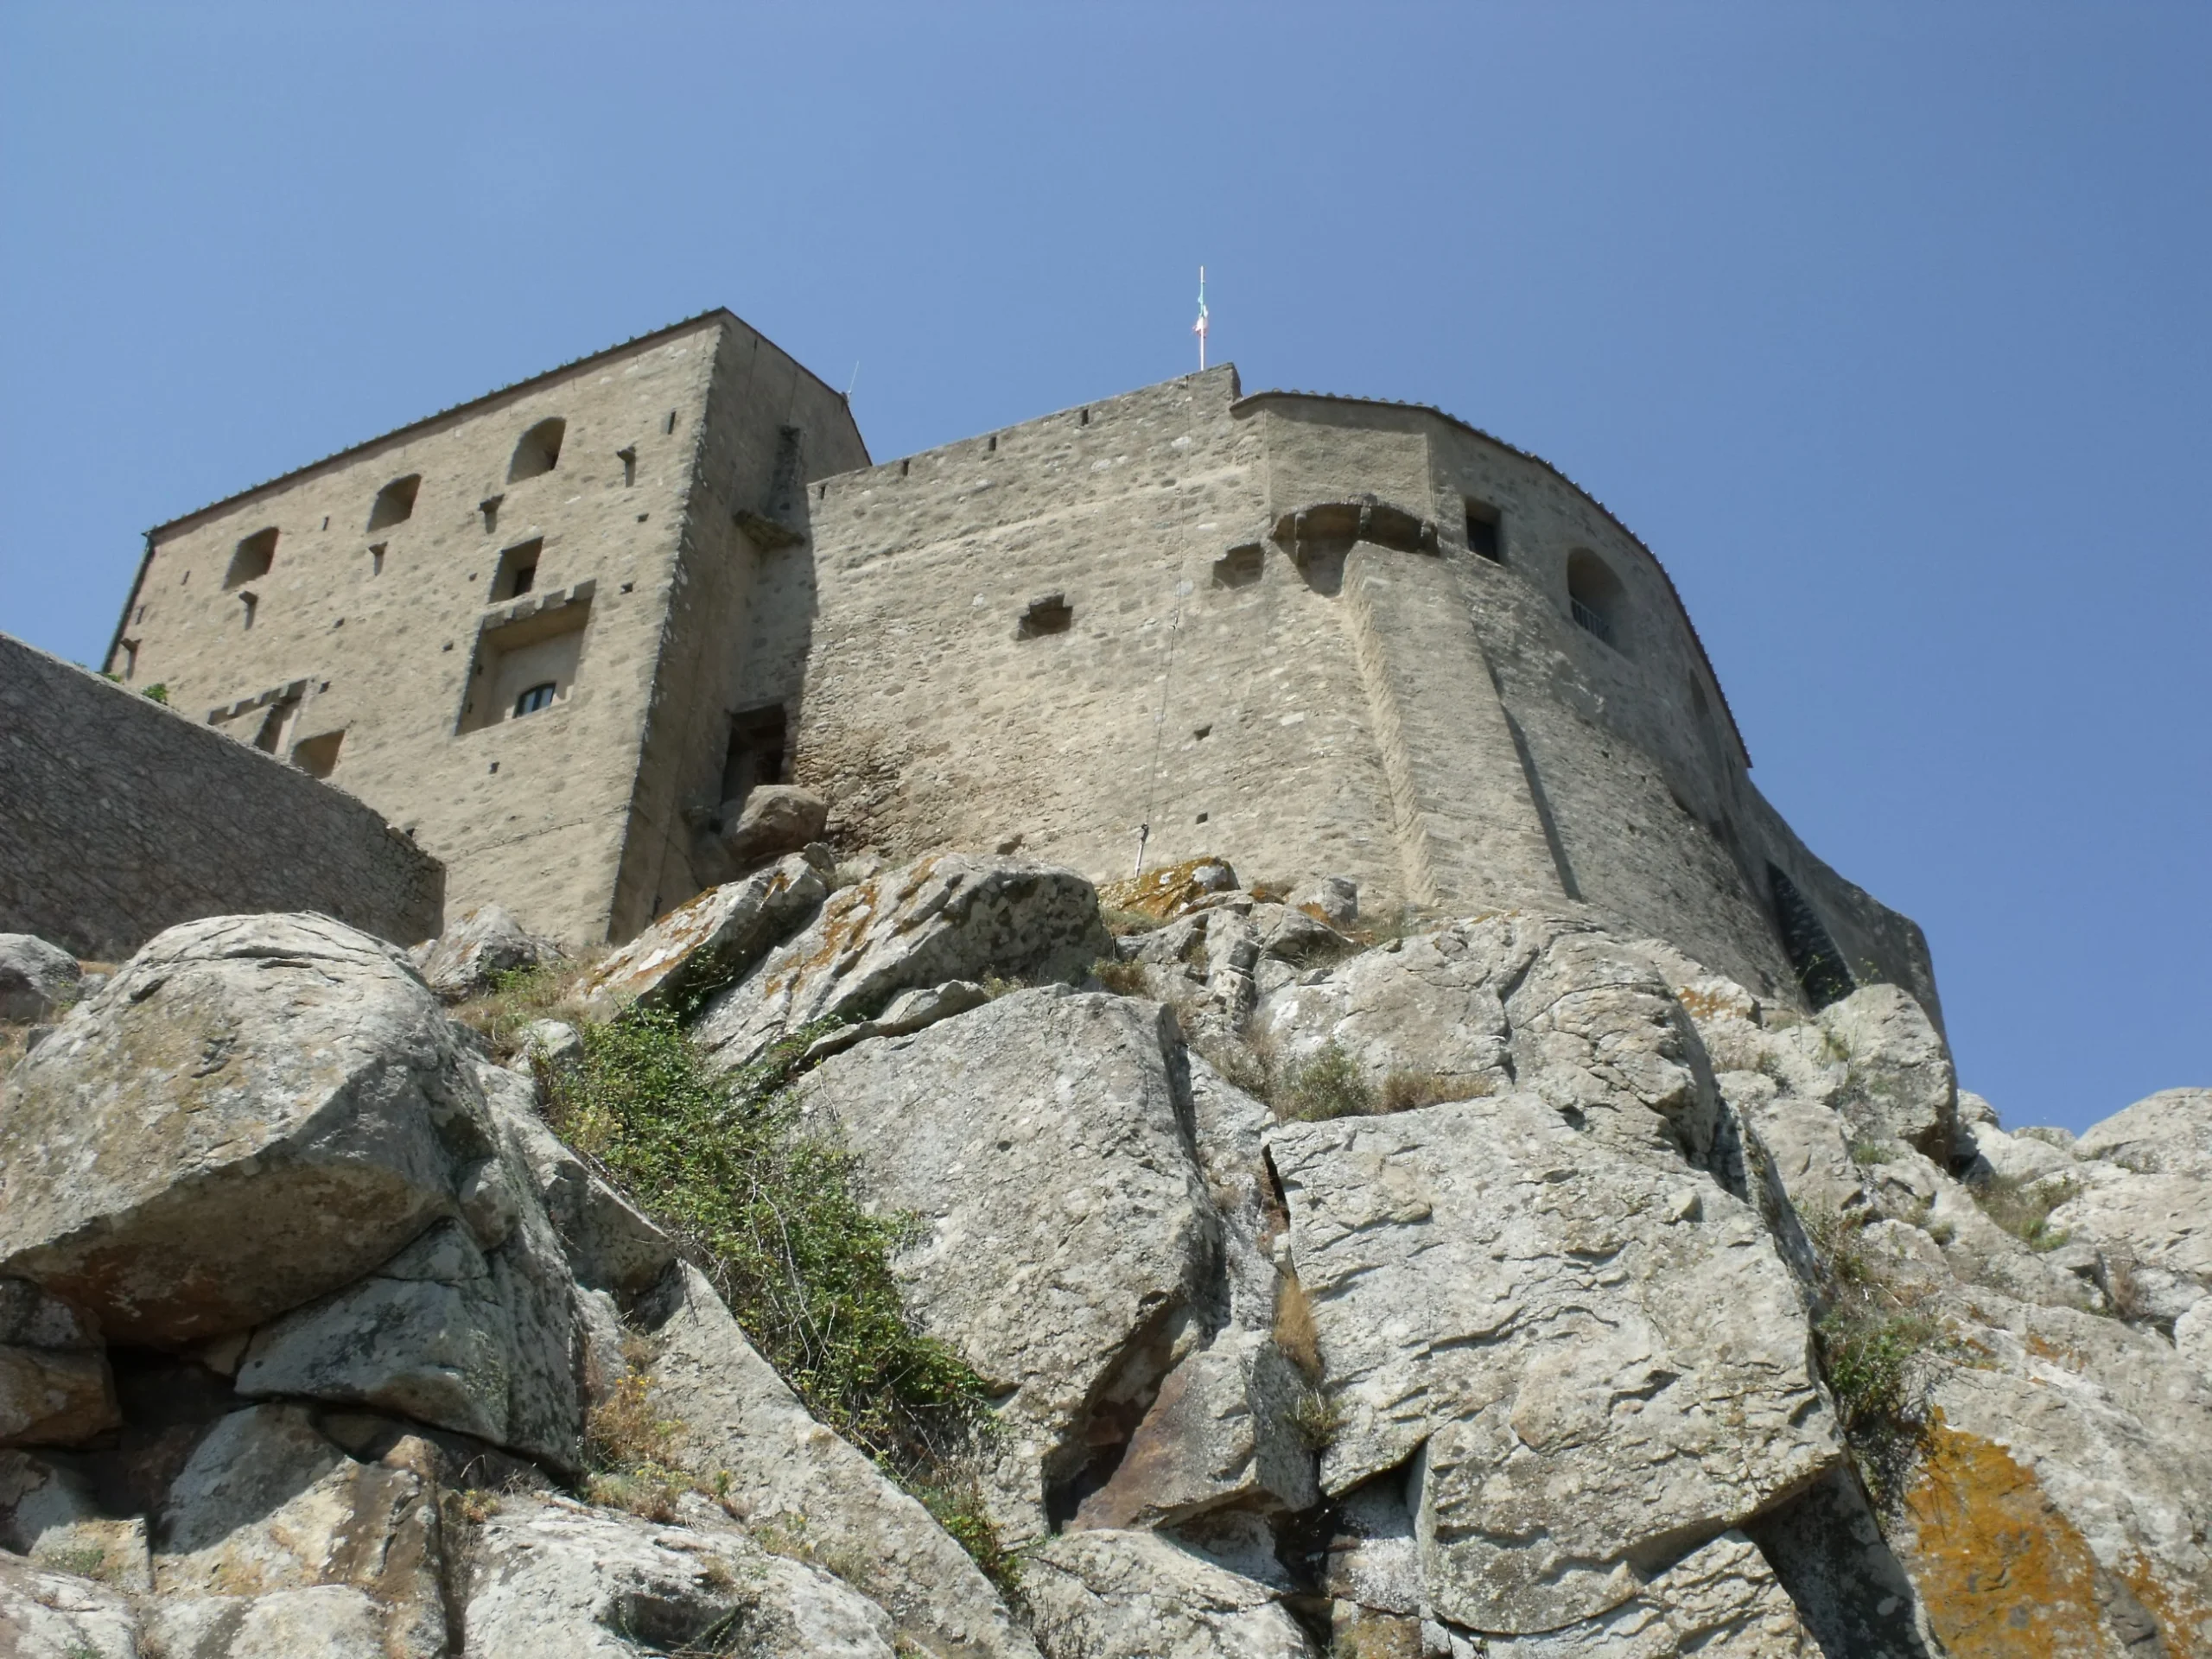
[{"x": 758, "y": 742}]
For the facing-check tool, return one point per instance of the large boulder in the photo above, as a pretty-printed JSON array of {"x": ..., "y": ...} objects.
[
  {"x": 468, "y": 959},
  {"x": 55, "y": 1385},
  {"x": 737, "y": 1427},
  {"x": 1591, "y": 1356},
  {"x": 37, "y": 980},
  {"x": 952, "y": 917},
  {"x": 701, "y": 946},
  {"x": 1135, "y": 1595},
  {"x": 1898, "y": 1082},
  {"x": 1066, "y": 1239},
  {"x": 266, "y": 1505},
  {"x": 772, "y": 819},
  {"x": 257, "y": 1110},
  {"x": 1720, "y": 1602},
  {"x": 2142, "y": 1196},
  {"x": 552, "y": 1579}
]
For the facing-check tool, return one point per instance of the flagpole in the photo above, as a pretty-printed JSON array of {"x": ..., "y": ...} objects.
[{"x": 1199, "y": 326}]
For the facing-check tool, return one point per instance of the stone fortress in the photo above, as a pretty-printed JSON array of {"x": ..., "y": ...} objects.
[{"x": 554, "y": 633}]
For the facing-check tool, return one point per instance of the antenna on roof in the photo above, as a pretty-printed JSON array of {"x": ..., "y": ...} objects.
[
  {"x": 855, "y": 381},
  {"x": 1199, "y": 326}
]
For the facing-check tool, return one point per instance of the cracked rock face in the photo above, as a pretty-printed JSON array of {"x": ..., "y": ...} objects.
[
  {"x": 257, "y": 1110},
  {"x": 1589, "y": 1357},
  {"x": 1067, "y": 1238},
  {"x": 952, "y": 917},
  {"x": 1134, "y": 1595}
]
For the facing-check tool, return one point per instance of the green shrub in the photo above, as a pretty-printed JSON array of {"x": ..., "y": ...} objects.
[
  {"x": 1865, "y": 1152},
  {"x": 1328, "y": 1085},
  {"x": 1122, "y": 978}
]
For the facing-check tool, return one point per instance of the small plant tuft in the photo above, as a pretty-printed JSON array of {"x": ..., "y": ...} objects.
[
  {"x": 2021, "y": 1207},
  {"x": 522, "y": 996},
  {"x": 1406, "y": 1091},
  {"x": 1866, "y": 1153},
  {"x": 1328, "y": 1085},
  {"x": 1122, "y": 978},
  {"x": 1317, "y": 1419}
]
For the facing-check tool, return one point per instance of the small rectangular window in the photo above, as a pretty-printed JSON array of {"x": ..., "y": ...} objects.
[
  {"x": 517, "y": 571},
  {"x": 251, "y": 558},
  {"x": 1483, "y": 537}
]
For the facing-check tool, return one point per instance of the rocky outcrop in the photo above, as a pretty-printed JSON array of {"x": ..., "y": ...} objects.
[
  {"x": 1562, "y": 1337},
  {"x": 37, "y": 980},
  {"x": 255, "y": 1112},
  {"x": 954, "y": 917},
  {"x": 1066, "y": 1242},
  {"x": 1131, "y": 1595},
  {"x": 55, "y": 1385},
  {"x": 468, "y": 957},
  {"x": 701, "y": 946}
]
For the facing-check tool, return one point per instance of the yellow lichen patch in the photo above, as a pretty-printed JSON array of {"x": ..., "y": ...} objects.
[
  {"x": 2185, "y": 1616},
  {"x": 1172, "y": 890},
  {"x": 2004, "y": 1574}
]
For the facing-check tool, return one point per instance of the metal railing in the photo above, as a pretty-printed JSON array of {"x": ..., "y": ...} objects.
[{"x": 1590, "y": 621}]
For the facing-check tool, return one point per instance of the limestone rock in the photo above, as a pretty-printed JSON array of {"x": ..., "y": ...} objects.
[
  {"x": 37, "y": 980},
  {"x": 1899, "y": 1083},
  {"x": 55, "y": 1386},
  {"x": 266, "y": 1505},
  {"x": 2059, "y": 1500},
  {"x": 610, "y": 1246},
  {"x": 554, "y": 1044},
  {"x": 1826, "y": 1547},
  {"x": 1043, "y": 1142},
  {"x": 706, "y": 943},
  {"x": 332, "y": 1621},
  {"x": 468, "y": 957},
  {"x": 734, "y": 1415},
  {"x": 442, "y": 1334},
  {"x": 259, "y": 1109},
  {"x": 1720, "y": 1602},
  {"x": 1581, "y": 1020},
  {"x": 48, "y": 1615},
  {"x": 1135, "y": 1595},
  {"x": 774, "y": 818},
  {"x": 1223, "y": 1431},
  {"x": 2143, "y": 1196},
  {"x": 1590, "y": 1355},
  {"x": 910, "y": 1011},
  {"x": 952, "y": 917},
  {"x": 551, "y": 1579},
  {"x": 1333, "y": 898},
  {"x": 1172, "y": 890}
]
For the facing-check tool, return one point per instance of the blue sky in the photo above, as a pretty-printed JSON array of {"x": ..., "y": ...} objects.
[{"x": 1889, "y": 326}]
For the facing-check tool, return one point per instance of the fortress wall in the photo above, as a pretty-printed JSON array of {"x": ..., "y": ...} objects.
[
  {"x": 726, "y": 592},
  {"x": 120, "y": 818},
  {"x": 929, "y": 722},
  {"x": 531, "y": 811}
]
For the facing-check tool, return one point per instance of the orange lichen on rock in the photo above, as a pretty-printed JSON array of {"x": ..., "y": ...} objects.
[
  {"x": 2002, "y": 1573},
  {"x": 1173, "y": 890}
]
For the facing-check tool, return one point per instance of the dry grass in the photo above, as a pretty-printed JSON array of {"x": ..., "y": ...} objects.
[
  {"x": 550, "y": 991},
  {"x": 2021, "y": 1207},
  {"x": 631, "y": 1454},
  {"x": 1406, "y": 1091},
  {"x": 1122, "y": 923},
  {"x": 1294, "y": 1331},
  {"x": 1122, "y": 978}
]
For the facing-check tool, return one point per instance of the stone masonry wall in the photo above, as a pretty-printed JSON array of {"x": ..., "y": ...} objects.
[
  {"x": 120, "y": 817},
  {"x": 531, "y": 811}
]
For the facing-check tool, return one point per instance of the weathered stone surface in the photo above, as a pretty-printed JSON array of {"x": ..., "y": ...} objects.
[
  {"x": 706, "y": 943},
  {"x": 1580, "y": 1020},
  {"x": 47, "y": 1615},
  {"x": 267, "y": 1504},
  {"x": 257, "y": 1110},
  {"x": 551, "y": 1579},
  {"x": 484, "y": 1346},
  {"x": 1222, "y": 1431},
  {"x": 910, "y": 1011},
  {"x": 1172, "y": 890},
  {"x": 1898, "y": 1082},
  {"x": 332, "y": 1621},
  {"x": 1722, "y": 1602},
  {"x": 472, "y": 953},
  {"x": 2144, "y": 1201},
  {"x": 1589, "y": 1354},
  {"x": 610, "y": 1246},
  {"x": 1826, "y": 1546},
  {"x": 734, "y": 1415},
  {"x": 2061, "y": 1501},
  {"x": 50, "y": 1512},
  {"x": 1333, "y": 899},
  {"x": 952, "y": 917},
  {"x": 551, "y": 1042},
  {"x": 1043, "y": 1142},
  {"x": 774, "y": 818},
  {"x": 37, "y": 980},
  {"x": 1135, "y": 1595},
  {"x": 55, "y": 1386}
]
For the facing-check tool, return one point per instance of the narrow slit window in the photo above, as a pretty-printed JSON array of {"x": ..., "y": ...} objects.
[
  {"x": 538, "y": 450},
  {"x": 490, "y": 508},
  {"x": 394, "y": 503},
  {"x": 130, "y": 660},
  {"x": 629, "y": 459},
  {"x": 251, "y": 603},
  {"x": 668, "y": 425},
  {"x": 538, "y": 697},
  {"x": 1483, "y": 537},
  {"x": 376, "y": 559}
]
